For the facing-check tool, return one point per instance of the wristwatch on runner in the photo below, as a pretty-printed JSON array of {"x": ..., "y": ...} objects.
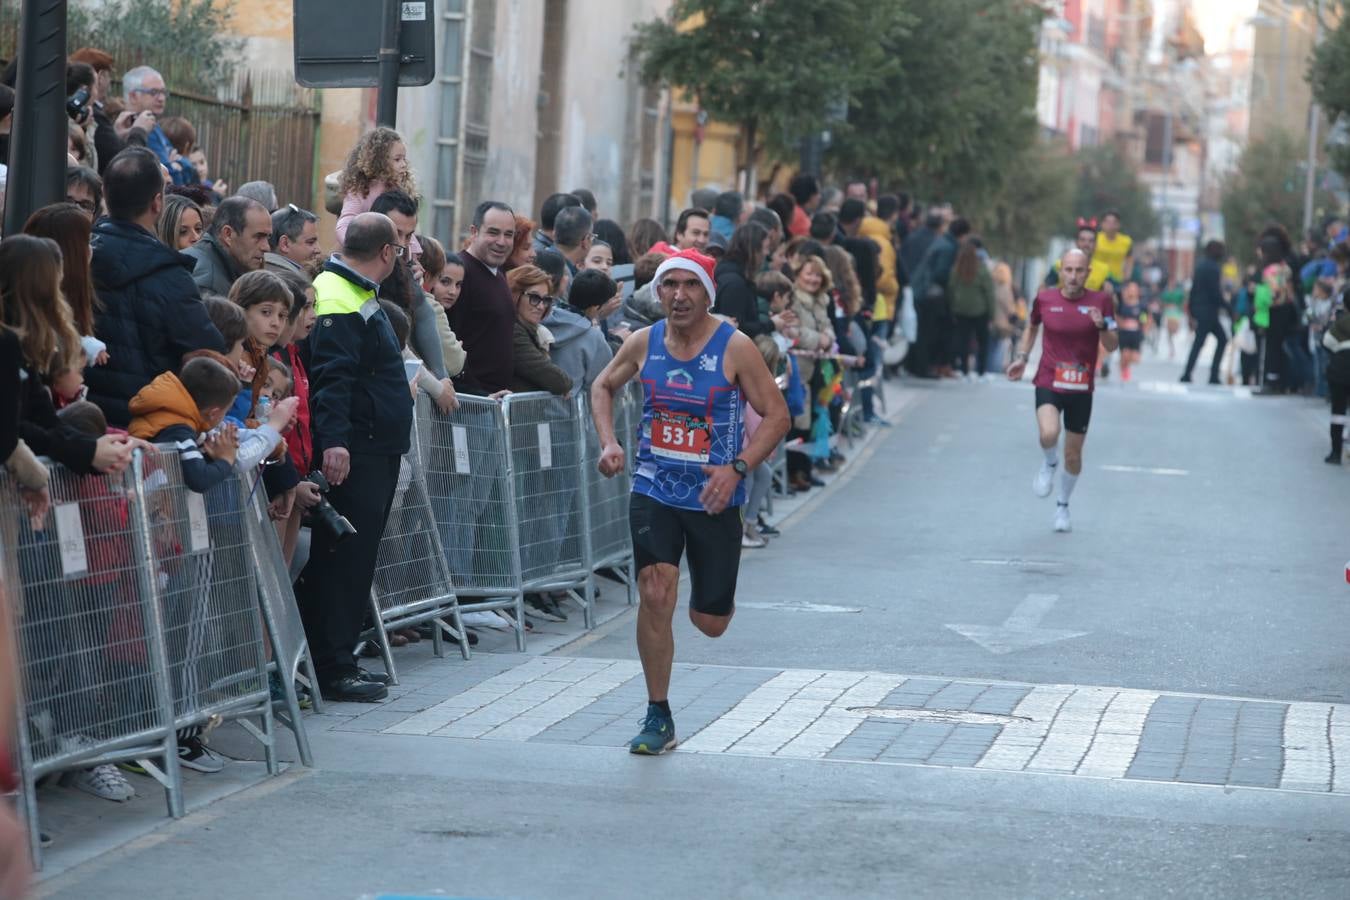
[{"x": 741, "y": 467}]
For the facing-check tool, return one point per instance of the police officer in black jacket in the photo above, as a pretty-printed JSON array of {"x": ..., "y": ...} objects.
[{"x": 361, "y": 411}]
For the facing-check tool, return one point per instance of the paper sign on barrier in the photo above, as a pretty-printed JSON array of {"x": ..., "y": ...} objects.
[
  {"x": 199, "y": 533},
  {"x": 545, "y": 446},
  {"x": 461, "y": 438},
  {"x": 70, "y": 535}
]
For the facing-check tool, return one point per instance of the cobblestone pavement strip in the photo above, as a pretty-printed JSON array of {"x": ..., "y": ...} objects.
[{"x": 874, "y": 717}]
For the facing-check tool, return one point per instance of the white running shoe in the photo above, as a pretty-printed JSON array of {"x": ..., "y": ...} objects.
[
  {"x": 102, "y": 781},
  {"x": 752, "y": 541},
  {"x": 1045, "y": 480},
  {"x": 1062, "y": 523}
]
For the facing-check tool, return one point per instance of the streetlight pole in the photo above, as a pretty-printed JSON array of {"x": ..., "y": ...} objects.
[{"x": 1314, "y": 122}]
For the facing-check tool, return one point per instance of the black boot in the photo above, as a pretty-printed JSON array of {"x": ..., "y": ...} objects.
[{"x": 1337, "y": 446}]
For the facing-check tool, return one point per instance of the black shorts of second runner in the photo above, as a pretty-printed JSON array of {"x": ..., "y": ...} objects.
[
  {"x": 662, "y": 534},
  {"x": 1131, "y": 340},
  {"x": 1077, "y": 408}
]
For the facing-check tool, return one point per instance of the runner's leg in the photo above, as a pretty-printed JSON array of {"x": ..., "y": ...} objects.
[
  {"x": 1047, "y": 422},
  {"x": 714, "y": 554},
  {"x": 658, "y": 588}
]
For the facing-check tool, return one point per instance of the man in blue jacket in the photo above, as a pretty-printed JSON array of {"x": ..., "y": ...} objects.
[
  {"x": 361, "y": 411},
  {"x": 151, "y": 311}
]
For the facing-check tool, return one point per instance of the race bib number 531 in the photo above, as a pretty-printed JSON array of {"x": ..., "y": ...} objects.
[{"x": 680, "y": 436}]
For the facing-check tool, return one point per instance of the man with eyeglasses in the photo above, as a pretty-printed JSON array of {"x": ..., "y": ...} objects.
[
  {"x": 361, "y": 413},
  {"x": 697, "y": 372},
  {"x": 85, "y": 189},
  {"x": 484, "y": 317},
  {"x": 144, "y": 92}
]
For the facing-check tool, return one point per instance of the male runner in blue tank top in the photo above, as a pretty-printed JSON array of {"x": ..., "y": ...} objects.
[{"x": 697, "y": 373}]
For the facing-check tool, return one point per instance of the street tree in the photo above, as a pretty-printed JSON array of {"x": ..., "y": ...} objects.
[
  {"x": 187, "y": 41},
  {"x": 1033, "y": 203},
  {"x": 954, "y": 107},
  {"x": 773, "y": 67},
  {"x": 1265, "y": 188},
  {"x": 1106, "y": 179},
  {"x": 1329, "y": 77}
]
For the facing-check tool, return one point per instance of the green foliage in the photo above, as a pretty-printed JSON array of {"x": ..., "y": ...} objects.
[
  {"x": 186, "y": 40},
  {"x": 774, "y": 67},
  {"x": 1329, "y": 76},
  {"x": 955, "y": 108},
  {"x": 1031, "y": 205},
  {"x": 1107, "y": 180},
  {"x": 1266, "y": 188}
]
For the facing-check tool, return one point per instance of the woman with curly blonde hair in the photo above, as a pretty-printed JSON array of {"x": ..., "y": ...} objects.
[{"x": 378, "y": 163}]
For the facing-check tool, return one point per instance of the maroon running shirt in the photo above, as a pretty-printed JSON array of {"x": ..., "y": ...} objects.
[{"x": 1069, "y": 339}]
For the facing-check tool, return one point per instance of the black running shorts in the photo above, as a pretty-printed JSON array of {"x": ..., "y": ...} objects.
[
  {"x": 1077, "y": 408},
  {"x": 663, "y": 534}
]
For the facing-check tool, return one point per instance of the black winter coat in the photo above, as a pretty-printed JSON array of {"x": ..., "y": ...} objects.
[
  {"x": 151, "y": 314},
  {"x": 736, "y": 298}
]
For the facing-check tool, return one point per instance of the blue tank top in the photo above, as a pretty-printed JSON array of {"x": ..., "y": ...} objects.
[{"x": 692, "y": 417}]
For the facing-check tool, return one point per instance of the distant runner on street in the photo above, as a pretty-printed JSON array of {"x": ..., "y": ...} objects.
[
  {"x": 1075, "y": 320},
  {"x": 689, "y": 485}
]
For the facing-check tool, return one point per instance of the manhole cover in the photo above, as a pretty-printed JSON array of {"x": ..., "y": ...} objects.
[{"x": 945, "y": 716}]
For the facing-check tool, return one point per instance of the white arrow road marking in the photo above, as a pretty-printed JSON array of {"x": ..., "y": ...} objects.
[
  {"x": 801, "y": 607},
  {"x": 1145, "y": 470},
  {"x": 1022, "y": 629}
]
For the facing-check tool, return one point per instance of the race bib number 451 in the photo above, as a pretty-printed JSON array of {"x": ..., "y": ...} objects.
[
  {"x": 1070, "y": 377},
  {"x": 680, "y": 436}
]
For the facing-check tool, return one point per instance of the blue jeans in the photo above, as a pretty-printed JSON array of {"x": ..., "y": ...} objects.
[{"x": 881, "y": 330}]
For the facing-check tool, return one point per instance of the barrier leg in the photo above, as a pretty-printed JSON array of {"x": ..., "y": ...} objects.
[
  {"x": 171, "y": 776},
  {"x": 383, "y": 638},
  {"x": 311, "y": 679}
]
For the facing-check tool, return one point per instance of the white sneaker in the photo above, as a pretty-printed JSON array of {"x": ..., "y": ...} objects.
[
  {"x": 752, "y": 541},
  {"x": 1045, "y": 480},
  {"x": 102, "y": 781},
  {"x": 1062, "y": 523}
]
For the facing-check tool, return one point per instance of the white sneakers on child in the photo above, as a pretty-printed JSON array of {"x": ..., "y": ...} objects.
[
  {"x": 102, "y": 781},
  {"x": 1062, "y": 523}
]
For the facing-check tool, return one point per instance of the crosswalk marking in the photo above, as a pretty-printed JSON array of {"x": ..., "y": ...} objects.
[{"x": 1076, "y": 730}]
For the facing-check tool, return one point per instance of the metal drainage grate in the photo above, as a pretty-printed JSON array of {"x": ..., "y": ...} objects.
[{"x": 944, "y": 716}]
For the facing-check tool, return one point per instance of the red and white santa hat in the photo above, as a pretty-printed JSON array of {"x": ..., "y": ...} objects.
[{"x": 691, "y": 261}]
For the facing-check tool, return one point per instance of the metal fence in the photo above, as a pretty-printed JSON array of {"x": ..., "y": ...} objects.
[
  {"x": 412, "y": 581},
  {"x": 544, "y": 445},
  {"x": 140, "y": 608}
]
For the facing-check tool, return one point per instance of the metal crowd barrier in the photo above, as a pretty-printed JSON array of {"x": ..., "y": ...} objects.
[
  {"x": 467, "y": 471},
  {"x": 412, "y": 582},
  {"x": 544, "y": 442},
  {"x": 139, "y": 609},
  {"x": 517, "y": 505}
]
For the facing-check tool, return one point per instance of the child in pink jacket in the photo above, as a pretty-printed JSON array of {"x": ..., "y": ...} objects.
[{"x": 378, "y": 163}]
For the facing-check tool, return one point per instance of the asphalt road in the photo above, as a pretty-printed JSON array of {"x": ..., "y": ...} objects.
[{"x": 1207, "y": 555}]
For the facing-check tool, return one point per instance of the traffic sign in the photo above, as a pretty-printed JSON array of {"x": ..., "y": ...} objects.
[{"x": 337, "y": 43}]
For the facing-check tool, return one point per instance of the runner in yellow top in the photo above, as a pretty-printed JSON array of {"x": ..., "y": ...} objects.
[
  {"x": 1085, "y": 239},
  {"x": 1114, "y": 249}
]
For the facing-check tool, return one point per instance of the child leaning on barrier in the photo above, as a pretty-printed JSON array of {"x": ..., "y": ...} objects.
[
  {"x": 184, "y": 410},
  {"x": 442, "y": 393}
]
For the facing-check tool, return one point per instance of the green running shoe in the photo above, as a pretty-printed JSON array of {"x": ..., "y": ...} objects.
[{"x": 657, "y": 736}]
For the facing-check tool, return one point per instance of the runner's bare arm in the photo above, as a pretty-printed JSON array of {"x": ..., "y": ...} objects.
[
  {"x": 762, "y": 393},
  {"x": 1019, "y": 364},
  {"x": 618, "y": 373},
  {"x": 1110, "y": 338}
]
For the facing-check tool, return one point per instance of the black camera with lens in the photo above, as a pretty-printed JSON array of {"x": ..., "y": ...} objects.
[
  {"x": 77, "y": 105},
  {"x": 323, "y": 512}
]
